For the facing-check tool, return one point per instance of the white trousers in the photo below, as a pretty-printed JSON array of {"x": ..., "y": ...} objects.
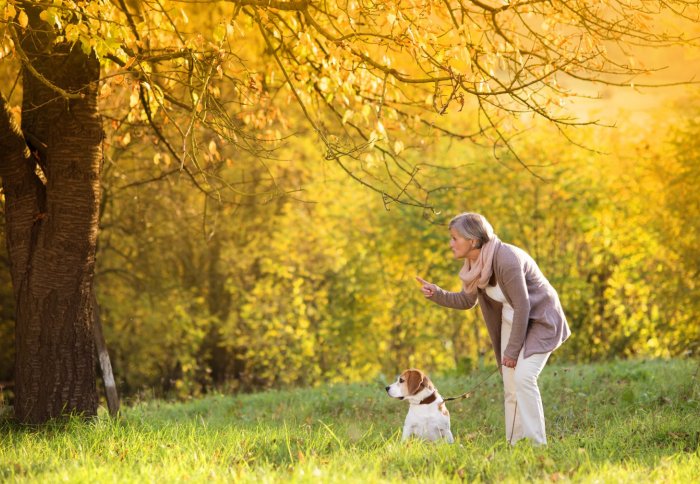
[{"x": 523, "y": 404}]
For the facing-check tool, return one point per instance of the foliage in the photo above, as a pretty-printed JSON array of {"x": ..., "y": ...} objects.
[
  {"x": 624, "y": 421},
  {"x": 677, "y": 223},
  {"x": 276, "y": 260},
  {"x": 212, "y": 80},
  {"x": 320, "y": 283},
  {"x": 197, "y": 294}
]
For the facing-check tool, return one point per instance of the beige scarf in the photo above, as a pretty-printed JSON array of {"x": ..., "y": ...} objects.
[{"x": 477, "y": 274}]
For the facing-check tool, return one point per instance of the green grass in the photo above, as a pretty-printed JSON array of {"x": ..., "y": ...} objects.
[{"x": 636, "y": 421}]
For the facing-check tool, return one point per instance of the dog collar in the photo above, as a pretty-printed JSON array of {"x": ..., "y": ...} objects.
[{"x": 429, "y": 399}]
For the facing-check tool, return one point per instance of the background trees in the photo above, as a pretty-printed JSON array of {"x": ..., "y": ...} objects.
[
  {"x": 201, "y": 101},
  {"x": 322, "y": 286}
]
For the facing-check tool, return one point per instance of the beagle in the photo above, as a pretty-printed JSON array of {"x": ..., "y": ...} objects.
[{"x": 427, "y": 417}]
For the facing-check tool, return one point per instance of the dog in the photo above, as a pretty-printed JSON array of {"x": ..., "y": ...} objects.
[{"x": 427, "y": 417}]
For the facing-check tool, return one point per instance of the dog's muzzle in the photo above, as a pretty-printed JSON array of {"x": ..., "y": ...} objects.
[{"x": 387, "y": 388}]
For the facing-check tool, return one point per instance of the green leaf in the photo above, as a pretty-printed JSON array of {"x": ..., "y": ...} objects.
[{"x": 220, "y": 32}]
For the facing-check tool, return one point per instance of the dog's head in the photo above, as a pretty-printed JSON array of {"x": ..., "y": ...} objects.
[{"x": 411, "y": 384}]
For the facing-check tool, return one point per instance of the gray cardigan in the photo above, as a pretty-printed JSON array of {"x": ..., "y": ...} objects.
[{"x": 539, "y": 323}]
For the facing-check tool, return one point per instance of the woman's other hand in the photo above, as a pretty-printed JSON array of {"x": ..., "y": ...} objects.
[
  {"x": 509, "y": 362},
  {"x": 429, "y": 289}
]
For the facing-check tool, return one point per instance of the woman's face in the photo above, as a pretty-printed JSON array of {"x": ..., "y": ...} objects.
[{"x": 460, "y": 246}]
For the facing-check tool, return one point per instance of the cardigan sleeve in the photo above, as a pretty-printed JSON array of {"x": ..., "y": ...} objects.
[
  {"x": 454, "y": 300},
  {"x": 513, "y": 285}
]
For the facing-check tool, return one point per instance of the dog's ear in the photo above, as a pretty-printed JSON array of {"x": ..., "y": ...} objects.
[
  {"x": 414, "y": 381},
  {"x": 427, "y": 383}
]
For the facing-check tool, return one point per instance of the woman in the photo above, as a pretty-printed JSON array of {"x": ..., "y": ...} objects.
[{"x": 522, "y": 313}]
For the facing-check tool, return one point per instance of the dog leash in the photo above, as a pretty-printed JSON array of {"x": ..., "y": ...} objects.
[
  {"x": 515, "y": 409},
  {"x": 469, "y": 393},
  {"x": 512, "y": 427}
]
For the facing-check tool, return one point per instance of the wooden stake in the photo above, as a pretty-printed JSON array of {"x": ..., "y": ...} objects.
[{"x": 105, "y": 363}]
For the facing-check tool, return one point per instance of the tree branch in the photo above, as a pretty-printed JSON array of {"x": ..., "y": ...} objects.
[
  {"x": 28, "y": 64},
  {"x": 293, "y": 5}
]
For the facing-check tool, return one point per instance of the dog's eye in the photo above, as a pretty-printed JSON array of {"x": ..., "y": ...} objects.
[{"x": 400, "y": 380}]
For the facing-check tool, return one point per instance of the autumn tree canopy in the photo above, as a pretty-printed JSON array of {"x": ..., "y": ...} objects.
[{"x": 369, "y": 76}]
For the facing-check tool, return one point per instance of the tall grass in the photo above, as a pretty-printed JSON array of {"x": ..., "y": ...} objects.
[{"x": 633, "y": 421}]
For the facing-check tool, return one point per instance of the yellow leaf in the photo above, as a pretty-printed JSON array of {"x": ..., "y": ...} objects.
[
  {"x": 373, "y": 138},
  {"x": 366, "y": 110},
  {"x": 219, "y": 32},
  {"x": 106, "y": 90},
  {"x": 72, "y": 33},
  {"x": 23, "y": 19},
  {"x": 347, "y": 116}
]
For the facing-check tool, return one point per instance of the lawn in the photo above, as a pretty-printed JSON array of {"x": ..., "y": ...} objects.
[{"x": 627, "y": 421}]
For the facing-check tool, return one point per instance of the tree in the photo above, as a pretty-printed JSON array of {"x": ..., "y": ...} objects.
[
  {"x": 51, "y": 224},
  {"x": 370, "y": 78}
]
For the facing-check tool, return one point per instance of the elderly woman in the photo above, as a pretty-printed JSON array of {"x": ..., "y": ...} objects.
[{"x": 522, "y": 312}]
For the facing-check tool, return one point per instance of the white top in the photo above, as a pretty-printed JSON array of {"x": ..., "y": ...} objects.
[{"x": 495, "y": 293}]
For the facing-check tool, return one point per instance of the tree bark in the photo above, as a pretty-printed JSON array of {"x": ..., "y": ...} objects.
[{"x": 51, "y": 226}]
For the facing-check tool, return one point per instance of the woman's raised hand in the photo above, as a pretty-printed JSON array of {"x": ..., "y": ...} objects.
[{"x": 429, "y": 289}]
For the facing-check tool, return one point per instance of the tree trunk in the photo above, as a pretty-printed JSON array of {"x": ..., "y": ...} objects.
[{"x": 51, "y": 226}]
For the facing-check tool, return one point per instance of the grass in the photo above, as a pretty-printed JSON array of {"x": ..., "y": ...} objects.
[{"x": 634, "y": 421}]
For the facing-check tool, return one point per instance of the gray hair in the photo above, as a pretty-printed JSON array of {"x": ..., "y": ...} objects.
[{"x": 473, "y": 226}]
